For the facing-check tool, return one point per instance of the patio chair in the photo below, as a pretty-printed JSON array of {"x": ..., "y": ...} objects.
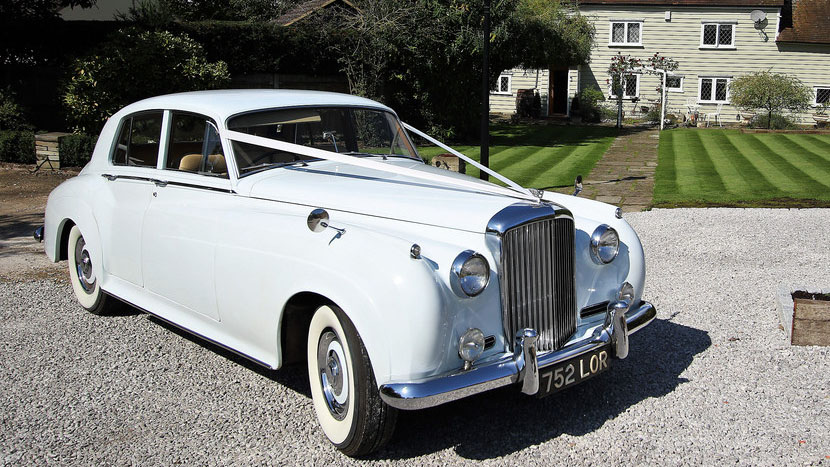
[{"x": 715, "y": 115}]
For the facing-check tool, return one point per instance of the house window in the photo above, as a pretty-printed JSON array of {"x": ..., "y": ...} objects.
[
  {"x": 714, "y": 90},
  {"x": 626, "y": 33},
  {"x": 823, "y": 95},
  {"x": 717, "y": 35},
  {"x": 502, "y": 85},
  {"x": 674, "y": 83},
  {"x": 631, "y": 87}
]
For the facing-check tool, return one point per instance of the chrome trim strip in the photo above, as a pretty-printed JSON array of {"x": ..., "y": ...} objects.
[
  {"x": 509, "y": 369},
  {"x": 521, "y": 213}
]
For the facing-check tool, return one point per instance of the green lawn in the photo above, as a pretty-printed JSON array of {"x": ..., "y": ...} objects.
[
  {"x": 730, "y": 168},
  {"x": 539, "y": 156}
]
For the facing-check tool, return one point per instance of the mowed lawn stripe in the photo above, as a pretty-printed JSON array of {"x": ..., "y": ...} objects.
[
  {"x": 806, "y": 160},
  {"x": 779, "y": 170},
  {"x": 748, "y": 178},
  {"x": 701, "y": 177},
  {"x": 578, "y": 160},
  {"x": 820, "y": 142},
  {"x": 536, "y": 172},
  {"x": 814, "y": 145},
  {"x": 665, "y": 177}
]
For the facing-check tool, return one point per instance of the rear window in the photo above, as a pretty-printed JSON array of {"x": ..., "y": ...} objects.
[{"x": 138, "y": 140}]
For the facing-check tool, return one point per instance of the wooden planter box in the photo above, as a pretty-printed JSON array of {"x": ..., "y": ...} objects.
[{"x": 811, "y": 319}]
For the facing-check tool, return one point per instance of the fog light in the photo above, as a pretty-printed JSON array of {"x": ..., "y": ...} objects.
[
  {"x": 626, "y": 293},
  {"x": 470, "y": 346}
]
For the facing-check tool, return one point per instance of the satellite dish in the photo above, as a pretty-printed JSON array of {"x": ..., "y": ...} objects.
[{"x": 758, "y": 16}]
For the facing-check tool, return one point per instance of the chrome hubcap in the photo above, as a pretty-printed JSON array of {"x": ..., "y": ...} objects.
[
  {"x": 334, "y": 374},
  {"x": 83, "y": 264}
]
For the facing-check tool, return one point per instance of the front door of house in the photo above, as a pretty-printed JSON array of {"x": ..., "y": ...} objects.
[{"x": 558, "y": 92}]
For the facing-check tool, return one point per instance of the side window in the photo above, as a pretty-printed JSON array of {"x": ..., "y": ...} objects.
[
  {"x": 194, "y": 146},
  {"x": 138, "y": 140}
]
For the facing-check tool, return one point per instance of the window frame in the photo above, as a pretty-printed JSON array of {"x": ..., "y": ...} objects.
[
  {"x": 718, "y": 24},
  {"x": 497, "y": 91},
  {"x": 611, "y": 94},
  {"x": 677, "y": 89},
  {"x": 626, "y": 22},
  {"x": 173, "y": 113},
  {"x": 714, "y": 89},
  {"x": 161, "y": 152},
  {"x": 815, "y": 95}
]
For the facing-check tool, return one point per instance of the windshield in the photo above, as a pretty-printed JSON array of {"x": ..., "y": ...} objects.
[{"x": 347, "y": 130}]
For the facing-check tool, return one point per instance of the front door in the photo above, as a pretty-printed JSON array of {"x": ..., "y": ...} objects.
[{"x": 558, "y": 92}]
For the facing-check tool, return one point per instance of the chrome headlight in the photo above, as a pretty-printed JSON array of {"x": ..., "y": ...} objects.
[
  {"x": 470, "y": 273},
  {"x": 605, "y": 244}
]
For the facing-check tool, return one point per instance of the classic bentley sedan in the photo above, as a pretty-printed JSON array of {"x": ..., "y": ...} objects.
[{"x": 292, "y": 226}]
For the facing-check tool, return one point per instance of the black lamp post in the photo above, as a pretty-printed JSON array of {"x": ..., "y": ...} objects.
[{"x": 485, "y": 94}]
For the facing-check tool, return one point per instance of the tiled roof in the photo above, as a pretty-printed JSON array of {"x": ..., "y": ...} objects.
[
  {"x": 748, "y": 3},
  {"x": 304, "y": 9},
  {"x": 810, "y": 23}
]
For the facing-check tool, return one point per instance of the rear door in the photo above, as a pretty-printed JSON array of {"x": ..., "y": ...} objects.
[{"x": 127, "y": 192}]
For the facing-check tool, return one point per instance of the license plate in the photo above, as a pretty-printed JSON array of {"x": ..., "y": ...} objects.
[{"x": 572, "y": 372}]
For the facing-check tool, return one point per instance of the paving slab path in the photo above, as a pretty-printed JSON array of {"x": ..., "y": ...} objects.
[{"x": 625, "y": 174}]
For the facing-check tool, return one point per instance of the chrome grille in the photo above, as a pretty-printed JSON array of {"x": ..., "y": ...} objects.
[{"x": 537, "y": 280}]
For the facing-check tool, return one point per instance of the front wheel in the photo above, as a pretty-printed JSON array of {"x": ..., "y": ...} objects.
[
  {"x": 343, "y": 387},
  {"x": 85, "y": 284}
]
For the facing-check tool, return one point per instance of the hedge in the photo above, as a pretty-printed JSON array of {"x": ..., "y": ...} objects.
[
  {"x": 76, "y": 149},
  {"x": 17, "y": 146}
]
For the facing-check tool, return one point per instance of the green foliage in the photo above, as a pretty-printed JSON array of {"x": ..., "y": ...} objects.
[
  {"x": 134, "y": 65},
  {"x": 772, "y": 122},
  {"x": 770, "y": 92},
  {"x": 11, "y": 115},
  {"x": 590, "y": 108},
  {"x": 76, "y": 149},
  {"x": 17, "y": 146}
]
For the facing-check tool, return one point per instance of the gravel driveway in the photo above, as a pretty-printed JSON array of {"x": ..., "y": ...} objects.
[{"x": 711, "y": 381}]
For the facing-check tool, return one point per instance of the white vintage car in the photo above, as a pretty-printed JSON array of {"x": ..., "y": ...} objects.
[{"x": 293, "y": 225}]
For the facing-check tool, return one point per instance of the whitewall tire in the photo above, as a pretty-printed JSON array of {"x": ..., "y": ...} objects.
[
  {"x": 343, "y": 388},
  {"x": 85, "y": 284}
]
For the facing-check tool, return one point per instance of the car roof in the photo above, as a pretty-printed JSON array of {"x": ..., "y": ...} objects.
[{"x": 227, "y": 102}]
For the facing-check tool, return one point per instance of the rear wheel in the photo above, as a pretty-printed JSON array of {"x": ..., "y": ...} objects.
[
  {"x": 343, "y": 387},
  {"x": 82, "y": 275}
]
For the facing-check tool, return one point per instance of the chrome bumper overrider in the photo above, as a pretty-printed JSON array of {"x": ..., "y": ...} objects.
[{"x": 521, "y": 367}]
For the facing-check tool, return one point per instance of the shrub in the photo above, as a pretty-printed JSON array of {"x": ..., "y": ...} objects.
[
  {"x": 528, "y": 104},
  {"x": 17, "y": 146},
  {"x": 653, "y": 114},
  {"x": 11, "y": 116},
  {"x": 76, "y": 150},
  {"x": 134, "y": 65},
  {"x": 589, "y": 104},
  {"x": 772, "y": 122}
]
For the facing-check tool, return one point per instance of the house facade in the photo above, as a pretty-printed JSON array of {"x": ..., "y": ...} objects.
[{"x": 713, "y": 42}]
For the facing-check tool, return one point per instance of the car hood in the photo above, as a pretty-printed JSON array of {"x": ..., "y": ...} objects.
[{"x": 344, "y": 187}]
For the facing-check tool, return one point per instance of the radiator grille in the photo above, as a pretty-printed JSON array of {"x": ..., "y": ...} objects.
[{"x": 538, "y": 280}]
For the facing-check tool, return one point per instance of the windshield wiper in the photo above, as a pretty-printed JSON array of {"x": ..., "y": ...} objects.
[{"x": 270, "y": 165}]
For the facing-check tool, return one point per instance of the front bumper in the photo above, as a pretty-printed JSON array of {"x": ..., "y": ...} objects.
[{"x": 521, "y": 367}]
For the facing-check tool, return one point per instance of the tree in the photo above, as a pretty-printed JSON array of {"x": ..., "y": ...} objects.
[
  {"x": 621, "y": 67},
  {"x": 423, "y": 57},
  {"x": 134, "y": 65},
  {"x": 771, "y": 92}
]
